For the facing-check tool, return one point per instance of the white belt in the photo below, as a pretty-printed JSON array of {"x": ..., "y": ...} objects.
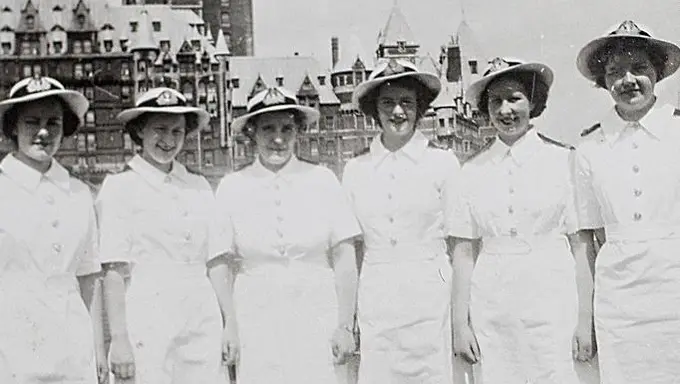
[
  {"x": 517, "y": 245},
  {"x": 405, "y": 252},
  {"x": 641, "y": 232}
]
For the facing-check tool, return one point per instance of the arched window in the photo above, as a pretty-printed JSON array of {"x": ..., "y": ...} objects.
[{"x": 188, "y": 91}]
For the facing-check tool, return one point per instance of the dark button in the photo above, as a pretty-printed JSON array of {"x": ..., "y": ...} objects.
[
  {"x": 637, "y": 192},
  {"x": 637, "y": 216},
  {"x": 636, "y": 169}
]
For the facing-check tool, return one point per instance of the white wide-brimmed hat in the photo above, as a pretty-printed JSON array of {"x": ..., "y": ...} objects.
[
  {"x": 35, "y": 88},
  {"x": 591, "y": 56},
  {"x": 272, "y": 100},
  {"x": 502, "y": 66},
  {"x": 389, "y": 70},
  {"x": 162, "y": 100}
]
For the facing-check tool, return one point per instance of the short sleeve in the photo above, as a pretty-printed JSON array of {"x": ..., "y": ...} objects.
[
  {"x": 587, "y": 208},
  {"x": 221, "y": 232},
  {"x": 570, "y": 214},
  {"x": 343, "y": 222},
  {"x": 460, "y": 221},
  {"x": 113, "y": 211},
  {"x": 87, "y": 250}
]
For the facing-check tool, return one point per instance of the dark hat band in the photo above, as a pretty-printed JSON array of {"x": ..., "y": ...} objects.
[
  {"x": 499, "y": 64},
  {"x": 34, "y": 87},
  {"x": 394, "y": 68},
  {"x": 263, "y": 104},
  {"x": 161, "y": 102}
]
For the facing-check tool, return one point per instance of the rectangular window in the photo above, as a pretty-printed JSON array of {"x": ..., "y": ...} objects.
[
  {"x": 466, "y": 146},
  {"x": 78, "y": 71},
  {"x": 341, "y": 81},
  {"x": 314, "y": 147},
  {"x": 279, "y": 81},
  {"x": 27, "y": 71},
  {"x": 89, "y": 70},
  {"x": 77, "y": 47},
  {"x": 108, "y": 45},
  {"x": 322, "y": 80},
  {"x": 235, "y": 83},
  {"x": 6, "y": 48},
  {"x": 26, "y": 48},
  {"x": 209, "y": 158},
  {"x": 89, "y": 93},
  {"x": 133, "y": 26},
  {"x": 442, "y": 123},
  {"x": 156, "y": 26},
  {"x": 91, "y": 142},
  {"x": 125, "y": 93},
  {"x": 350, "y": 80},
  {"x": 89, "y": 119},
  {"x": 451, "y": 122},
  {"x": 124, "y": 45},
  {"x": 127, "y": 141},
  {"x": 473, "y": 66},
  {"x": 57, "y": 47},
  {"x": 82, "y": 143},
  {"x": 330, "y": 120},
  {"x": 124, "y": 71},
  {"x": 87, "y": 46}
]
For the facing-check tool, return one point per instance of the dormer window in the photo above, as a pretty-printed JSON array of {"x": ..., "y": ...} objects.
[
  {"x": 473, "y": 66},
  {"x": 124, "y": 45},
  {"x": 6, "y": 9},
  {"x": 401, "y": 46},
  {"x": 322, "y": 80},
  {"x": 30, "y": 22},
  {"x": 165, "y": 45},
  {"x": 235, "y": 83},
  {"x": 57, "y": 8},
  {"x": 108, "y": 45},
  {"x": 81, "y": 20},
  {"x": 77, "y": 47},
  {"x": 57, "y": 47},
  {"x": 279, "y": 81},
  {"x": 133, "y": 26},
  {"x": 156, "y": 26}
]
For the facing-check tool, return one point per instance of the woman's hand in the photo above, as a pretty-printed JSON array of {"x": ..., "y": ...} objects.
[
  {"x": 122, "y": 358},
  {"x": 231, "y": 344},
  {"x": 583, "y": 343},
  {"x": 465, "y": 344},
  {"x": 102, "y": 364},
  {"x": 343, "y": 344}
]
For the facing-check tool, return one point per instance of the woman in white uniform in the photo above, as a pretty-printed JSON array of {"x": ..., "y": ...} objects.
[
  {"x": 516, "y": 294},
  {"x": 48, "y": 241},
  {"x": 627, "y": 177},
  {"x": 287, "y": 229},
  {"x": 162, "y": 288},
  {"x": 401, "y": 191}
]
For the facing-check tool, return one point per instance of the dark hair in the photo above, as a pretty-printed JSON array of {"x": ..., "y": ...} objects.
[
  {"x": 536, "y": 89},
  {"x": 298, "y": 117},
  {"x": 598, "y": 60},
  {"x": 135, "y": 126},
  {"x": 10, "y": 119},
  {"x": 369, "y": 102}
]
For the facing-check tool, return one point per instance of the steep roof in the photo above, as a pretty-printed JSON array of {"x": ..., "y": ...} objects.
[
  {"x": 396, "y": 29},
  {"x": 221, "y": 48},
  {"x": 144, "y": 38},
  {"x": 470, "y": 50},
  {"x": 293, "y": 69}
]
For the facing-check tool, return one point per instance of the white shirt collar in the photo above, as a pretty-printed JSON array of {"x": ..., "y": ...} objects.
[
  {"x": 258, "y": 170},
  {"x": 154, "y": 175},
  {"x": 413, "y": 149},
  {"x": 655, "y": 122},
  {"x": 30, "y": 178},
  {"x": 520, "y": 152}
]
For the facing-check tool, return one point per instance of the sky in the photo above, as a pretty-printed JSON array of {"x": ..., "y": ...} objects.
[{"x": 548, "y": 31}]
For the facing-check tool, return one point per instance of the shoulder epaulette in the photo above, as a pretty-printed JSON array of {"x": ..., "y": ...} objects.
[
  {"x": 554, "y": 142},
  {"x": 590, "y": 130},
  {"x": 194, "y": 171},
  {"x": 484, "y": 147},
  {"x": 676, "y": 112},
  {"x": 243, "y": 166},
  {"x": 309, "y": 161},
  {"x": 437, "y": 144}
]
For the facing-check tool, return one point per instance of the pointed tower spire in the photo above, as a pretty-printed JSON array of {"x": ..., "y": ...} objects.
[
  {"x": 221, "y": 48},
  {"x": 143, "y": 39},
  {"x": 396, "y": 29}
]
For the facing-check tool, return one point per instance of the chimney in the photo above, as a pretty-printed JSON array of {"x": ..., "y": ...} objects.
[{"x": 335, "y": 50}]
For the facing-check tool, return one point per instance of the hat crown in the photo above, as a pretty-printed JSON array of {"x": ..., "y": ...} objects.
[
  {"x": 499, "y": 64},
  {"x": 271, "y": 97},
  {"x": 161, "y": 97},
  {"x": 392, "y": 67},
  {"x": 32, "y": 85},
  {"x": 628, "y": 27}
]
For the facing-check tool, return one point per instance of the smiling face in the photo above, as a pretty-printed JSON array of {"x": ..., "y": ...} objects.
[
  {"x": 630, "y": 78},
  {"x": 39, "y": 130},
  {"x": 163, "y": 138},
  {"x": 397, "y": 108},
  {"x": 509, "y": 108},
  {"x": 275, "y": 137}
]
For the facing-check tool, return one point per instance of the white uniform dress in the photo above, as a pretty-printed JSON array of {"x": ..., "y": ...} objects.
[
  {"x": 628, "y": 181},
  {"x": 47, "y": 238},
  {"x": 523, "y": 301},
  {"x": 280, "y": 227},
  {"x": 400, "y": 199},
  {"x": 159, "y": 224}
]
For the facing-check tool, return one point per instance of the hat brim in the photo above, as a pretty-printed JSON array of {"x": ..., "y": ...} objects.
[
  {"x": 76, "y": 102},
  {"x": 132, "y": 113},
  {"x": 428, "y": 80},
  {"x": 585, "y": 59},
  {"x": 311, "y": 115},
  {"x": 476, "y": 89}
]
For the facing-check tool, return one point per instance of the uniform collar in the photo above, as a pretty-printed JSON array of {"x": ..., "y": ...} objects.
[
  {"x": 412, "y": 150},
  {"x": 154, "y": 175},
  {"x": 520, "y": 152},
  {"x": 29, "y": 178},
  {"x": 655, "y": 122},
  {"x": 293, "y": 166}
]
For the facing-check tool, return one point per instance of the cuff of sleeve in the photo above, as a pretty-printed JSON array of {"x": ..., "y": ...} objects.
[{"x": 88, "y": 269}]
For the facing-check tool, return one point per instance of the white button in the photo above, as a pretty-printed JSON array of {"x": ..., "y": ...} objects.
[
  {"x": 511, "y": 210},
  {"x": 393, "y": 242},
  {"x": 277, "y": 202},
  {"x": 49, "y": 199},
  {"x": 167, "y": 179},
  {"x": 391, "y": 219},
  {"x": 636, "y": 169},
  {"x": 279, "y": 232},
  {"x": 187, "y": 236},
  {"x": 637, "y": 192},
  {"x": 637, "y": 216},
  {"x": 635, "y": 146},
  {"x": 389, "y": 196},
  {"x": 392, "y": 177},
  {"x": 56, "y": 247},
  {"x": 185, "y": 213},
  {"x": 511, "y": 190},
  {"x": 279, "y": 219},
  {"x": 513, "y": 232},
  {"x": 55, "y": 224}
]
